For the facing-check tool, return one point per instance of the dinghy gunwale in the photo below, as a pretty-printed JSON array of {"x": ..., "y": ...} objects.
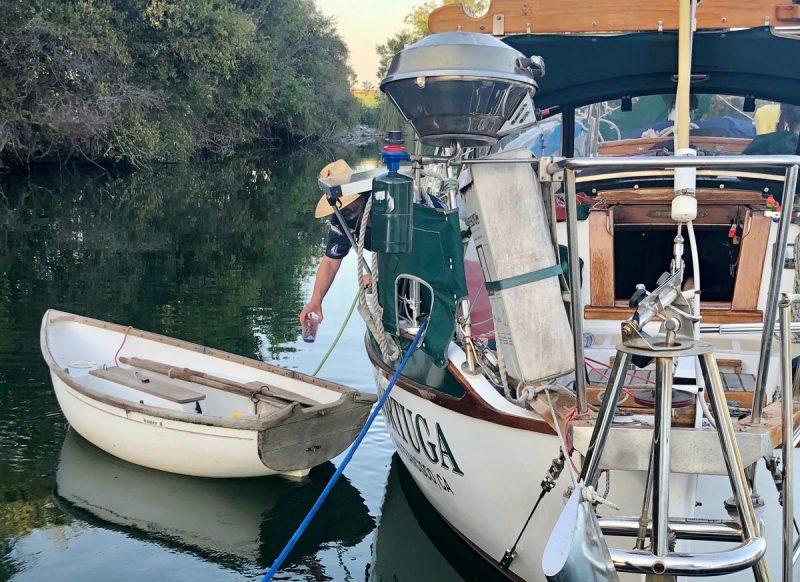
[{"x": 53, "y": 316}]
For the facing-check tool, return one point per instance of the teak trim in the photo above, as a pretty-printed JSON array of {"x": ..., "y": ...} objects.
[
  {"x": 743, "y": 307},
  {"x": 506, "y": 17},
  {"x": 650, "y": 196},
  {"x": 601, "y": 258},
  {"x": 709, "y": 315},
  {"x": 752, "y": 257},
  {"x": 629, "y": 147}
]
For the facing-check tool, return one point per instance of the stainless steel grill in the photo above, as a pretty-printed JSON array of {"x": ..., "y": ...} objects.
[{"x": 460, "y": 87}]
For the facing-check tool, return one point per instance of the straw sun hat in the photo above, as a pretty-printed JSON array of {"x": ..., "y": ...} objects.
[{"x": 335, "y": 172}]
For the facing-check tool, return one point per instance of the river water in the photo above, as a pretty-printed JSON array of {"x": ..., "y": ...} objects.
[{"x": 222, "y": 254}]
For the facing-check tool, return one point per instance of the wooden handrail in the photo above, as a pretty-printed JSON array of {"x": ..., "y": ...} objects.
[{"x": 506, "y": 17}]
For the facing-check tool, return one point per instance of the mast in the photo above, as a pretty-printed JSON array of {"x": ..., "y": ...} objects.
[{"x": 683, "y": 98}]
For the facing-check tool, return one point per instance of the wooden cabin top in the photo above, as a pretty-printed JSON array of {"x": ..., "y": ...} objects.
[{"x": 505, "y": 17}]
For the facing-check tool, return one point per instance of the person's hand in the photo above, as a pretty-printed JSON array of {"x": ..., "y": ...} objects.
[{"x": 314, "y": 306}]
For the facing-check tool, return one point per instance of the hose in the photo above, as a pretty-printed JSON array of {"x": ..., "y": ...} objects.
[
  {"x": 338, "y": 335},
  {"x": 701, "y": 399},
  {"x": 335, "y": 477}
]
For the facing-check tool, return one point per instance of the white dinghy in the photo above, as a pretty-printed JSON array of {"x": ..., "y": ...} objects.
[{"x": 180, "y": 407}]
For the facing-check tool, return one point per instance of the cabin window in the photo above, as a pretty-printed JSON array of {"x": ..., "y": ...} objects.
[
  {"x": 631, "y": 242},
  {"x": 644, "y": 253}
]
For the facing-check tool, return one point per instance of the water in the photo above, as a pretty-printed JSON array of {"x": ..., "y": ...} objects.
[{"x": 221, "y": 254}]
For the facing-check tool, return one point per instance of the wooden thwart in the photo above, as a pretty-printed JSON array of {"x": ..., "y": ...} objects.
[
  {"x": 506, "y": 17},
  {"x": 271, "y": 394},
  {"x": 143, "y": 383}
]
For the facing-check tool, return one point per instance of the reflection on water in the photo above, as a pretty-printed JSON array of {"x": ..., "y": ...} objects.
[
  {"x": 221, "y": 254},
  {"x": 232, "y": 522},
  {"x": 414, "y": 543}
]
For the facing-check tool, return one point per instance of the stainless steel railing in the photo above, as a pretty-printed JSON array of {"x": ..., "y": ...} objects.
[
  {"x": 572, "y": 165},
  {"x": 791, "y": 546}
]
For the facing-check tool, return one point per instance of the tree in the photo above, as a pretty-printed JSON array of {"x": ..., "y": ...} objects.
[{"x": 140, "y": 81}]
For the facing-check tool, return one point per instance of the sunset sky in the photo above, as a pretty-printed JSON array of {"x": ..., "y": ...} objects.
[{"x": 363, "y": 24}]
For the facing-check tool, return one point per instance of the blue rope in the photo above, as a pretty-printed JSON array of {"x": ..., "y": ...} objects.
[{"x": 335, "y": 477}]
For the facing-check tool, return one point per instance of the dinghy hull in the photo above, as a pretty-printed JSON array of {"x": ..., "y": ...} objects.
[
  {"x": 160, "y": 443},
  {"x": 243, "y": 424}
]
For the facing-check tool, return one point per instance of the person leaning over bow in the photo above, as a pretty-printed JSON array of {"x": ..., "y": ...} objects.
[{"x": 352, "y": 210}]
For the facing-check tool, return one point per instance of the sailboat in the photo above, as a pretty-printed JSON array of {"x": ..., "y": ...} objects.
[{"x": 608, "y": 335}]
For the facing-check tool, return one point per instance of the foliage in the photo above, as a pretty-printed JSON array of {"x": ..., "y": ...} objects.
[
  {"x": 214, "y": 251},
  {"x": 139, "y": 81},
  {"x": 370, "y": 115}
]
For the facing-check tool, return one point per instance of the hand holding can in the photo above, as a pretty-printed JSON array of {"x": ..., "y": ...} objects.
[{"x": 310, "y": 326}]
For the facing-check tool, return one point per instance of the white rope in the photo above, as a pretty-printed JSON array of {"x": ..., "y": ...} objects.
[{"x": 369, "y": 306}]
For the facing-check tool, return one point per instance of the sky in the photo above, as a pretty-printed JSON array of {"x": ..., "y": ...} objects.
[{"x": 364, "y": 24}]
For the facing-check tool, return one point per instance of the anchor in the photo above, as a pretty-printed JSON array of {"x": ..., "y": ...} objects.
[{"x": 660, "y": 562}]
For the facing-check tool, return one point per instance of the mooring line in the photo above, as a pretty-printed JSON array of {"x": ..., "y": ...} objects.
[{"x": 335, "y": 477}]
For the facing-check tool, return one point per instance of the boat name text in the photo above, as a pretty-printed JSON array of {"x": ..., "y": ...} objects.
[{"x": 415, "y": 430}]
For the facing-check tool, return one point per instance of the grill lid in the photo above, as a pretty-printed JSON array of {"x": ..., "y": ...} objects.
[{"x": 460, "y": 86}]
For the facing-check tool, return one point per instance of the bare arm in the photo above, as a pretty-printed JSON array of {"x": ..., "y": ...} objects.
[{"x": 326, "y": 273}]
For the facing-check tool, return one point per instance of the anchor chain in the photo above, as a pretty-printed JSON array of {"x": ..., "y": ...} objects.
[{"x": 548, "y": 484}]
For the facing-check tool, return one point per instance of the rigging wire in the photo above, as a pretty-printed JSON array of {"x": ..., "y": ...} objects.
[{"x": 548, "y": 483}]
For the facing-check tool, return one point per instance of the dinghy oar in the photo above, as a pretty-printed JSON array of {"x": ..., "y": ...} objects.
[{"x": 335, "y": 477}]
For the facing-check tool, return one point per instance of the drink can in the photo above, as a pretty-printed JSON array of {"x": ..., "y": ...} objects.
[{"x": 310, "y": 325}]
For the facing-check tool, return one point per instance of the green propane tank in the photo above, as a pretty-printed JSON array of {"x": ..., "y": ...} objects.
[{"x": 392, "y": 201}]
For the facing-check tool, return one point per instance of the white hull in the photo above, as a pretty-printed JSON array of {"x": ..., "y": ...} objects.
[
  {"x": 123, "y": 390},
  {"x": 502, "y": 470},
  {"x": 159, "y": 443}
]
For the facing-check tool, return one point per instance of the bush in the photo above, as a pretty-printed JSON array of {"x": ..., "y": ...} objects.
[{"x": 139, "y": 81}]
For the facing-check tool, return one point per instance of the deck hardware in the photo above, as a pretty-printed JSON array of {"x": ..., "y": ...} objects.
[
  {"x": 499, "y": 25},
  {"x": 771, "y": 309},
  {"x": 675, "y": 339}
]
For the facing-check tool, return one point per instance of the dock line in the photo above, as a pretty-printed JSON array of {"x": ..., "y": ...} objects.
[{"x": 335, "y": 477}]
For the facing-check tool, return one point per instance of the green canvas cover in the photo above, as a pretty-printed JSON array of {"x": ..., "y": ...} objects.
[
  {"x": 585, "y": 68},
  {"x": 438, "y": 259},
  {"x": 775, "y": 143}
]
